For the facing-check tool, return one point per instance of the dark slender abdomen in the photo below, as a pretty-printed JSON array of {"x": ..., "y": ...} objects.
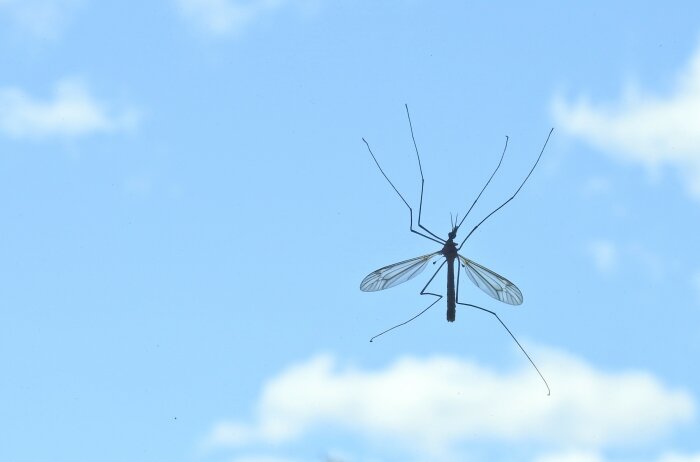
[{"x": 451, "y": 303}]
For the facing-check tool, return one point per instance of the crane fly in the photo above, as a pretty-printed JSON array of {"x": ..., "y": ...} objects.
[{"x": 492, "y": 283}]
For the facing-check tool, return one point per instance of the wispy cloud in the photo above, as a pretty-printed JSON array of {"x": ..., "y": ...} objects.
[
  {"x": 570, "y": 456},
  {"x": 262, "y": 458},
  {"x": 140, "y": 184},
  {"x": 433, "y": 404},
  {"x": 608, "y": 256},
  {"x": 41, "y": 18},
  {"x": 654, "y": 265},
  {"x": 223, "y": 17},
  {"x": 228, "y": 17},
  {"x": 695, "y": 283},
  {"x": 71, "y": 112},
  {"x": 604, "y": 254},
  {"x": 653, "y": 130},
  {"x": 597, "y": 186},
  {"x": 680, "y": 458}
]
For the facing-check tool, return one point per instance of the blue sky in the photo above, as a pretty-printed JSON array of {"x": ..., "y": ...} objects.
[{"x": 188, "y": 210}]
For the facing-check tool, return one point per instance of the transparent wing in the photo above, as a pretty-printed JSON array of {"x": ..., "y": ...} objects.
[
  {"x": 493, "y": 284},
  {"x": 395, "y": 274}
]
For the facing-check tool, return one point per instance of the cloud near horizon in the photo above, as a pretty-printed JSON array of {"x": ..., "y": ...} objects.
[
  {"x": 434, "y": 404},
  {"x": 652, "y": 130},
  {"x": 72, "y": 112}
]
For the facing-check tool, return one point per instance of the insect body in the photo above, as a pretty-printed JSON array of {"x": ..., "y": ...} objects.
[
  {"x": 492, "y": 283},
  {"x": 488, "y": 281}
]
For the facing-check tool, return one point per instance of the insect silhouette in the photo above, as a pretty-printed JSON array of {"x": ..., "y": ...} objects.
[{"x": 488, "y": 281}]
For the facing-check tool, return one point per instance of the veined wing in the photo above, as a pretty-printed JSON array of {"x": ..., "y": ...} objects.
[
  {"x": 493, "y": 284},
  {"x": 395, "y": 274}
]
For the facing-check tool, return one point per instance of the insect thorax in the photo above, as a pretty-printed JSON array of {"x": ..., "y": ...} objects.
[{"x": 449, "y": 250}]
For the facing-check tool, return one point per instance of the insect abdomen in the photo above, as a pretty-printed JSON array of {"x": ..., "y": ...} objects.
[{"x": 451, "y": 303}]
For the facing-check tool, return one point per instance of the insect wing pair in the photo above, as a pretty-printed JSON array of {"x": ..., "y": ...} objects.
[{"x": 491, "y": 283}]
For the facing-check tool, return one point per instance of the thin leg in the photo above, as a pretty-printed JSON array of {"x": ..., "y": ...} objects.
[
  {"x": 422, "y": 180},
  {"x": 432, "y": 237},
  {"x": 459, "y": 268},
  {"x": 487, "y": 183},
  {"x": 422, "y": 292},
  {"x": 511, "y": 197}
]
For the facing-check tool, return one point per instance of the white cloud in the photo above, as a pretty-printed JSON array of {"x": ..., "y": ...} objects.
[
  {"x": 586, "y": 456},
  {"x": 604, "y": 254},
  {"x": 71, "y": 112},
  {"x": 433, "y": 404},
  {"x": 40, "y": 18},
  {"x": 223, "y": 17},
  {"x": 644, "y": 128}
]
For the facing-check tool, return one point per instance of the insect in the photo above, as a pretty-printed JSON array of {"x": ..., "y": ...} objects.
[{"x": 488, "y": 281}]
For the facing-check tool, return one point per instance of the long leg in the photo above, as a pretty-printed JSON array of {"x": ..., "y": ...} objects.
[
  {"x": 422, "y": 292},
  {"x": 487, "y": 183},
  {"x": 514, "y": 194},
  {"x": 459, "y": 268},
  {"x": 422, "y": 180},
  {"x": 410, "y": 210}
]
